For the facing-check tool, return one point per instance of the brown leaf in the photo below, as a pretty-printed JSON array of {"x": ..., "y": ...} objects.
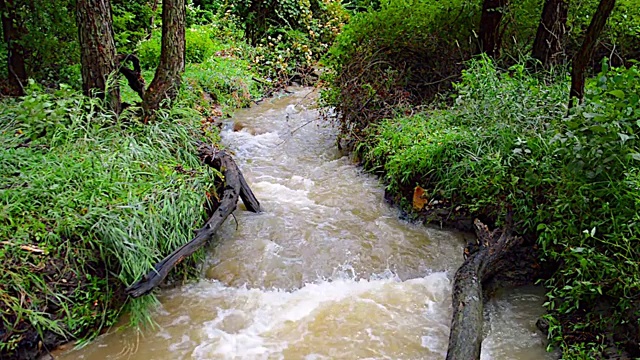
[{"x": 419, "y": 198}]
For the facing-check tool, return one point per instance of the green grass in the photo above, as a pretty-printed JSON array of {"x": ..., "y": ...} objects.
[
  {"x": 88, "y": 206},
  {"x": 572, "y": 181}
]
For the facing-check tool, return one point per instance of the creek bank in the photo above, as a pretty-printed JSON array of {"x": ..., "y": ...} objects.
[
  {"x": 64, "y": 267},
  {"x": 506, "y": 144},
  {"x": 523, "y": 265}
]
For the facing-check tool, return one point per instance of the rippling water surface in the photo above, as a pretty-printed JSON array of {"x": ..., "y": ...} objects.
[{"x": 328, "y": 271}]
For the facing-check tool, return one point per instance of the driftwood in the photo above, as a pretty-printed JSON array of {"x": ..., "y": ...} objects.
[
  {"x": 235, "y": 186},
  {"x": 480, "y": 266}
]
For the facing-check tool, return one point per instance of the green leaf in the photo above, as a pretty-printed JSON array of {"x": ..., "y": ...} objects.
[{"x": 617, "y": 93}]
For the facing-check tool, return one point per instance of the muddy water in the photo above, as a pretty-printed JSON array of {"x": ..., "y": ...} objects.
[{"x": 328, "y": 271}]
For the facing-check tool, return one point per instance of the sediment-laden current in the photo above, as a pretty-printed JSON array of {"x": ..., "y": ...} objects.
[{"x": 327, "y": 271}]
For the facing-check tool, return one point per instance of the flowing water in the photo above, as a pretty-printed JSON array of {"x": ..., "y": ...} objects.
[{"x": 327, "y": 271}]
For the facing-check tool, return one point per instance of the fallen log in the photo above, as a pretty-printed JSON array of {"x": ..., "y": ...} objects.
[
  {"x": 235, "y": 186},
  {"x": 465, "y": 336}
]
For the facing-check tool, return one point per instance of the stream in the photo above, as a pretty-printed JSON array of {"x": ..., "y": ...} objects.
[{"x": 327, "y": 271}]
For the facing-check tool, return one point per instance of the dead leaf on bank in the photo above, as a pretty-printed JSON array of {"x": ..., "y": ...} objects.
[{"x": 419, "y": 198}]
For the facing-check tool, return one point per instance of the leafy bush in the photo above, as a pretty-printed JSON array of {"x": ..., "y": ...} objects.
[
  {"x": 200, "y": 46},
  {"x": 572, "y": 181},
  {"x": 620, "y": 37},
  {"x": 290, "y": 36},
  {"x": 226, "y": 80},
  {"x": 132, "y": 22},
  {"x": 402, "y": 54}
]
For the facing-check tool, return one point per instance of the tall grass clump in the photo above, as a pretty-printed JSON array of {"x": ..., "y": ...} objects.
[
  {"x": 89, "y": 202},
  {"x": 571, "y": 181}
]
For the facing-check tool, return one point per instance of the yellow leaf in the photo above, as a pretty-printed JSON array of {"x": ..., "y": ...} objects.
[{"x": 419, "y": 198}]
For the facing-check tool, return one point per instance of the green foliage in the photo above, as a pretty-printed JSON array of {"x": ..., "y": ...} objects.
[
  {"x": 132, "y": 22},
  {"x": 202, "y": 43},
  {"x": 402, "y": 54},
  {"x": 621, "y": 35},
  {"x": 51, "y": 39},
  {"x": 88, "y": 203},
  {"x": 226, "y": 81},
  {"x": 199, "y": 44},
  {"x": 572, "y": 180},
  {"x": 290, "y": 36}
]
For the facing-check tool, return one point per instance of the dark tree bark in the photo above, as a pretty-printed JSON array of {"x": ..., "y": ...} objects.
[
  {"x": 547, "y": 47},
  {"x": 166, "y": 82},
  {"x": 13, "y": 30},
  {"x": 490, "y": 34},
  {"x": 256, "y": 21},
  {"x": 582, "y": 58},
  {"x": 235, "y": 186},
  {"x": 97, "y": 49},
  {"x": 133, "y": 74},
  {"x": 154, "y": 7},
  {"x": 493, "y": 247}
]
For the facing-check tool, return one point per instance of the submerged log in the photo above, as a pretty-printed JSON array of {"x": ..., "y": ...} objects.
[
  {"x": 480, "y": 266},
  {"x": 235, "y": 186}
]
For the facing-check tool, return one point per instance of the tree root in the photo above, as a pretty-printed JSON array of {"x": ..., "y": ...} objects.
[{"x": 235, "y": 186}]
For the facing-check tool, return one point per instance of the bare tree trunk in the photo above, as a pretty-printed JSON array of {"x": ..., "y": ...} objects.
[
  {"x": 490, "y": 34},
  {"x": 13, "y": 30},
  {"x": 582, "y": 58},
  {"x": 97, "y": 49},
  {"x": 547, "y": 47},
  {"x": 166, "y": 82}
]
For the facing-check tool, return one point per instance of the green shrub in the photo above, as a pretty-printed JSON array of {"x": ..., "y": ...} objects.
[
  {"x": 571, "y": 180},
  {"x": 149, "y": 51},
  {"x": 201, "y": 44},
  {"x": 226, "y": 80},
  {"x": 132, "y": 22},
  {"x": 405, "y": 53},
  {"x": 620, "y": 37}
]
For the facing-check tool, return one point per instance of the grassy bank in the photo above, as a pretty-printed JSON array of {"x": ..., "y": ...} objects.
[
  {"x": 572, "y": 182},
  {"x": 89, "y": 201},
  {"x": 482, "y": 138}
]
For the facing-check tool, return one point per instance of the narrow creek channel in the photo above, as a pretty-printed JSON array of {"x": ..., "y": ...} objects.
[{"x": 328, "y": 271}]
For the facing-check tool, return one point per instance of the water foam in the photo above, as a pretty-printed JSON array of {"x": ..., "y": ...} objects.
[{"x": 276, "y": 321}]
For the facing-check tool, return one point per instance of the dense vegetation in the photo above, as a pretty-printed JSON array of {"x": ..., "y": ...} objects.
[
  {"x": 91, "y": 198},
  {"x": 92, "y": 194},
  {"x": 486, "y": 136}
]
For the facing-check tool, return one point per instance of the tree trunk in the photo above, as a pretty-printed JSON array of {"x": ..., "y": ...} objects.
[
  {"x": 547, "y": 47},
  {"x": 582, "y": 58},
  {"x": 490, "y": 34},
  {"x": 97, "y": 49},
  {"x": 13, "y": 30},
  {"x": 166, "y": 82},
  {"x": 465, "y": 336}
]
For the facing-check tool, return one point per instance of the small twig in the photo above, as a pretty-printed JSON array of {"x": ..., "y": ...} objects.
[
  {"x": 235, "y": 219},
  {"x": 33, "y": 249}
]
